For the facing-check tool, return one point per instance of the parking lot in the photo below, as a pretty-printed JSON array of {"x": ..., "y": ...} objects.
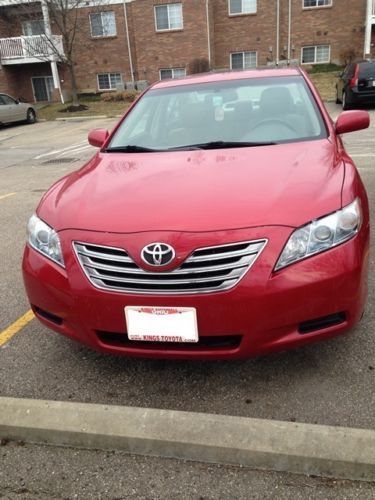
[{"x": 328, "y": 383}]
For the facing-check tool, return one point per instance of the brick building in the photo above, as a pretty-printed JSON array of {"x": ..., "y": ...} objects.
[{"x": 120, "y": 42}]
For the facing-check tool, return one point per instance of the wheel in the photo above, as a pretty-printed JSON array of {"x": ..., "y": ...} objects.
[
  {"x": 345, "y": 104},
  {"x": 30, "y": 116},
  {"x": 338, "y": 101}
]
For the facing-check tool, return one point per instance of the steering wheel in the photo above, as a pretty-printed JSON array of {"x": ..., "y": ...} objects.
[{"x": 275, "y": 120}]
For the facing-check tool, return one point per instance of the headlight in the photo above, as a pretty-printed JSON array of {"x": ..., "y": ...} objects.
[
  {"x": 322, "y": 234},
  {"x": 44, "y": 239}
]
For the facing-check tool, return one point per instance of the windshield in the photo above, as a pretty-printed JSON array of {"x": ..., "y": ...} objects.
[{"x": 254, "y": 111}]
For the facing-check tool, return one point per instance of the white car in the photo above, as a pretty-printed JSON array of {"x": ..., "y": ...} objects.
[{"x": 12, "y": 110}]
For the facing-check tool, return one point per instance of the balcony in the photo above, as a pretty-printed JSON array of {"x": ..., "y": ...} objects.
[{"x": 30, "y": 49}]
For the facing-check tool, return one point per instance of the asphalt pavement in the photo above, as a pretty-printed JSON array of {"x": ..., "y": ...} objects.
[{"x": 328, "y": 383}]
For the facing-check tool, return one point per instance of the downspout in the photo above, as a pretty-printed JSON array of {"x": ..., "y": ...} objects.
[
  {"x": 289, "y": 29},
  {"x": 128, "y": 42},
  {"x": 208, "y": 33},
  {"x": 368, "y": 28},
  {"x": 277, "y": 31},
  {"x": 53, "y": 63}
]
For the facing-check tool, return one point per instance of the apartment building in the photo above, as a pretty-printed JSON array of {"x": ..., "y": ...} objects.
[{"x": 121, "y": 42}]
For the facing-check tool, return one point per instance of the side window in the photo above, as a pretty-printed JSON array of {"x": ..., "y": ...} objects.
[
  {"x": 349, "y": 71},
  {"x": 7, "y": 100}
]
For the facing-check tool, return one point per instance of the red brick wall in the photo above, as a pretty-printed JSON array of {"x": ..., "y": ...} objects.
[
  {"x": 100, "y": 55},
  {"x": 341, "y": 26},
  {"x": 249, "y": 32},
  {"x": 169, "y": 49}
]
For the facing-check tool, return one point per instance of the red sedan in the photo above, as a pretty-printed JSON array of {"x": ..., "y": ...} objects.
[{"x": 222, "y": 218}]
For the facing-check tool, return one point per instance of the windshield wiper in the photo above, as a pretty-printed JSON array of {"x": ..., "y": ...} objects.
[
  {"x": 131, "y": 148},
  {"x": 223, "y": 145}
]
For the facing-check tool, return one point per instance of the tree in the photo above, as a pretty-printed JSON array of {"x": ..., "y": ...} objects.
[
  {"x": 64, "y": 16},
  {"x": 60, "y": 18}
]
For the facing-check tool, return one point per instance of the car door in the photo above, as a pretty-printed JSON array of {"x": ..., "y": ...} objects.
[
  {"x": 4, "y": 110},
  {"x": 13, "y": 110}
]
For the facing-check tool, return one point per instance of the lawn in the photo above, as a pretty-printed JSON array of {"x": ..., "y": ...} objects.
[
  {"x": 326, "y": 84},
  {"x": 97, "y": 107}
]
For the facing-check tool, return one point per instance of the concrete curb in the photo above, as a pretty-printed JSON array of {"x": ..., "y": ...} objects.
[{"x": 265, "y": 444}]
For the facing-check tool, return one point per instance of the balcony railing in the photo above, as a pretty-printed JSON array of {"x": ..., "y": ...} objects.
[{"x": 27, "y": 49}]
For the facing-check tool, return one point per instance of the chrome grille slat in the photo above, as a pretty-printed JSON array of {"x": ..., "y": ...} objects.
[
  {"x": 209, "y": 269},
  {"x": 82, "y": 250},
  {"x": 98, "y": 275},
  {"x": 218, "y": 256},
  {"x": 219, "y": 288},
  {"x": 244, "y": 262}
]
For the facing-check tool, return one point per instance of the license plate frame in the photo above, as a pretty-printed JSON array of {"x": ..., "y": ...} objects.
[{"x": 161, "y": 324}]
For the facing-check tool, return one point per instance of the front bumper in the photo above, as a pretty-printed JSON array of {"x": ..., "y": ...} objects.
[{"x": 261, "y": 314}]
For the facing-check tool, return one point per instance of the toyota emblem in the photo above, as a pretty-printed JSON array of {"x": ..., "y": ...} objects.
[{"x": 157, "y": 254}]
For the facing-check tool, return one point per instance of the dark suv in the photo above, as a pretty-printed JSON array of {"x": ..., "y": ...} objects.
[{"x": 356, "y": 84}]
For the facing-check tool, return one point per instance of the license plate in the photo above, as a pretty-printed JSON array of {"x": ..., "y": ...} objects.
[{"x": 161, "y": 324}]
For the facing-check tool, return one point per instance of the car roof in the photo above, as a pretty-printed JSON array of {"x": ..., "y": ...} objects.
[{"x": 228, "y": 76}]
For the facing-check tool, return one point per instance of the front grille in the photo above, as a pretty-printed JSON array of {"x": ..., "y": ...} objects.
[
  {"x": 205, "y": 270},
  {"x": 217, "y": 342}
]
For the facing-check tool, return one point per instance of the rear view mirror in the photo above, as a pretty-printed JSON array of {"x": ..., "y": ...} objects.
[
  {"x": 350, "y": 121},
  {"x": 97, "y": 137}
]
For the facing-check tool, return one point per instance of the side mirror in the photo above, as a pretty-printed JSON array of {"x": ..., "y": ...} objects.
[
  {"x": 350, "y": 121},
  {"x": 17, "y": 101},
  {"x": 97, "y": 137}
]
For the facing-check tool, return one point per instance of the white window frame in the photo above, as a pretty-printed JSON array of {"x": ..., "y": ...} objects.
[
  {"x": 101, "y": 14},
  {"x": 243, "y": 52},
  {"x": 172, "y": 70},
  {"x": 242, "y": 13},
  {"x": 168, "y": 5},
  {"x": 316, "y": 6},
  {"x": 109, "y": 78},
  {"x": 315, "y": 47}
]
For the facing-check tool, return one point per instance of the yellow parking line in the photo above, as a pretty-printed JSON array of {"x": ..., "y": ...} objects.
[
  {"x": 6, "y": 195},
  {"x": 15, "y": 327}
]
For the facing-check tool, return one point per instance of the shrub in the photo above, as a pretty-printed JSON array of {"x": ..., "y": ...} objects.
[
  {"x": 123, "y": 96},
  {"x": 199, "y": 65}
]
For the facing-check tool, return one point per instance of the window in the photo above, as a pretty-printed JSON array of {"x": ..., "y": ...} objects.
[
  {"x": 242, "y": 7},
  {"x": 316, "y": 3},
  {"x": 243, "y": 60},
  {"x": 31, "y": 28},
  {"x": 316, "y": 54},
  {"x": 109, "y": 81},
  {"x": 103, "y": 24},
  {"x": 172, "y": 73},
  {"x": 5, "y": 99},
  {"x": 168, "y": 17}
]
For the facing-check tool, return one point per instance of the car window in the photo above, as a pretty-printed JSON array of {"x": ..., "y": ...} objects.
[
  {"x": 367, "y": 70},
  {"x": 349, "y": 71},
  {"x": 2, "y": 102},
  {"x": 7, "y": 100},
  {"x": 278, "y": 109}
]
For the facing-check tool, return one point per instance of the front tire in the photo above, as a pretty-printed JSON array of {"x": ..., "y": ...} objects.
[
  {"x": 338, "y": 101},
  {"x": 345, "y": 103},
  {"x": 30, "y": 116}
]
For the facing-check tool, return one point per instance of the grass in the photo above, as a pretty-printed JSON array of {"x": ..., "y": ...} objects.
[
  {"x": 326, "y": 84},
  {"x": 53, "y": 111}
]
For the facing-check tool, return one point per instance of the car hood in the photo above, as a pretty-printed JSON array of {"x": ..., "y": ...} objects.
[{"x": 201, "y": 190}]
